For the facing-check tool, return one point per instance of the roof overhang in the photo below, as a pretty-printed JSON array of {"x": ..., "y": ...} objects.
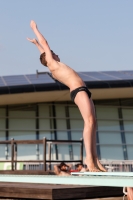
[
  {"x": 43, "y": 88},
  {"x": 63, "y": 95}
]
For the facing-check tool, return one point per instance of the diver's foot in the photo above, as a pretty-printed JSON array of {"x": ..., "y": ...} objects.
[
  {"x": 99, "y": 165},
  {"x": 93, "y": 169},
  {"x": 90, "y": 166}
]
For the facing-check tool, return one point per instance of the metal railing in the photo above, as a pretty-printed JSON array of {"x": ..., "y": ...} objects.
[
  {"x": 46, "y": 164},
  {"x": 118, "y": 165},
  {"x": 39, "y": 164}
]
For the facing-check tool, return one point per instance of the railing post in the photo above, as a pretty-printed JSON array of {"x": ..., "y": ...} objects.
[
  {"x": 81, "y": 151},
  {"x": 44, "y": 153},
  {"x": 15, "y": 155},
  {"x": 49, "y": 151},
  {"x": 12, "y": 154}
]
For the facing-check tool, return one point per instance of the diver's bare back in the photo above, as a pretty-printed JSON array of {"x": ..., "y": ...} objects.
[{"x": 66, "y": 75}]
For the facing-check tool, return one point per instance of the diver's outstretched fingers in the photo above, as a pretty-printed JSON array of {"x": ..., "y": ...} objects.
[
  {"x": 29, "y": 39},
  {"x": 34, "y": 41},
  {"x": 33, "y": 24}
]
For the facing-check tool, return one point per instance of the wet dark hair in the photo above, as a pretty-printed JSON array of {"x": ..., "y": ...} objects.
[
  {"x": 62, "y": 164},
  {"x": 43, "y": 58},
  {"x": 77, "y": 165}
]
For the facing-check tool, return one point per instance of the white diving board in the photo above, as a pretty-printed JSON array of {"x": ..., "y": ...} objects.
[
  {"x": 92, "y": 179},
  {"x": 127, "y": 174}
]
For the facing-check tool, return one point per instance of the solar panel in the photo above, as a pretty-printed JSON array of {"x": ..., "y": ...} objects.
[
  {"x": 26, "y": 79},
  {"x": 119, "y": 75},
  {"x": 128, "y": 73},
  {"x": 20, "y": 80},
  {"x": 15, "y": 80},
  {"x": 99, "y": 76},
  {"x": 2, "y": 82},
  {"x": 85, "y": 76},
  {"x": 40, "y": 79}
]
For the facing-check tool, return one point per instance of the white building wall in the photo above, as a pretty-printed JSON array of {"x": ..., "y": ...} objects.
[{"x": 22, "y": 126}]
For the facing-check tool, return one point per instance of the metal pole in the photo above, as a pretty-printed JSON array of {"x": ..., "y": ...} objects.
[
  {"x": 12, "y": 154},
  {"x": 15, "y": 155},
  {"x": 49, "y": 150},
  {"x": 81, "y": 151},
  {"x": 44, "y": 153}
]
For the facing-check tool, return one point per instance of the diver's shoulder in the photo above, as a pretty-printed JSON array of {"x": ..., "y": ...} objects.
[{"x": 64, "y": 65}]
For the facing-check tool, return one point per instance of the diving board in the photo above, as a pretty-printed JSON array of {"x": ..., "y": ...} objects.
[
  {"x": 127, "y": 174},
  {"x": 92, "y": 179}
]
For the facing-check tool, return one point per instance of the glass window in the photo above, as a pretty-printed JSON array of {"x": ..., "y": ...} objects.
[
  {"x": 44, "y": 122},
  {"x": 63, "y": 149},
  {"x": 2, "y": 132},
  {"x": 74, "y": 112},
  {"x": 111, "y": 152},
  {"x": 77, "y": 125},
  {"x": 109, "y": 132},
  {"x": 44, "y": 127},
  {"x": 128, "y": 128},
  {"x": 68, "y": 124},
  {"x": 22, "y": 127}
]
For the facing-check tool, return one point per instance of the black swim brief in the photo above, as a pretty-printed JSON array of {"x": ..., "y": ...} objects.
[{"x": 79, "y": 89}]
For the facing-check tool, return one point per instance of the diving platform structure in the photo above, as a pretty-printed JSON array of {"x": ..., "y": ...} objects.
[
  {"x": 114, "y": 179},
  {"x": 86, "y": 185}
]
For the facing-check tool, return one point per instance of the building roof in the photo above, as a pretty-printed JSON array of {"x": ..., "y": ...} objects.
[
  {"x": 44, "y": 82},
  {"x": 41, "y": 87}
]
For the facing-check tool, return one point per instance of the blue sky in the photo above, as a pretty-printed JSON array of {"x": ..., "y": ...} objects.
[{"x": 88, "y": 35}]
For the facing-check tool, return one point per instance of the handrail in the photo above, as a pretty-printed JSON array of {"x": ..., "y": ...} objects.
[{"x": 44, "y": 141}]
